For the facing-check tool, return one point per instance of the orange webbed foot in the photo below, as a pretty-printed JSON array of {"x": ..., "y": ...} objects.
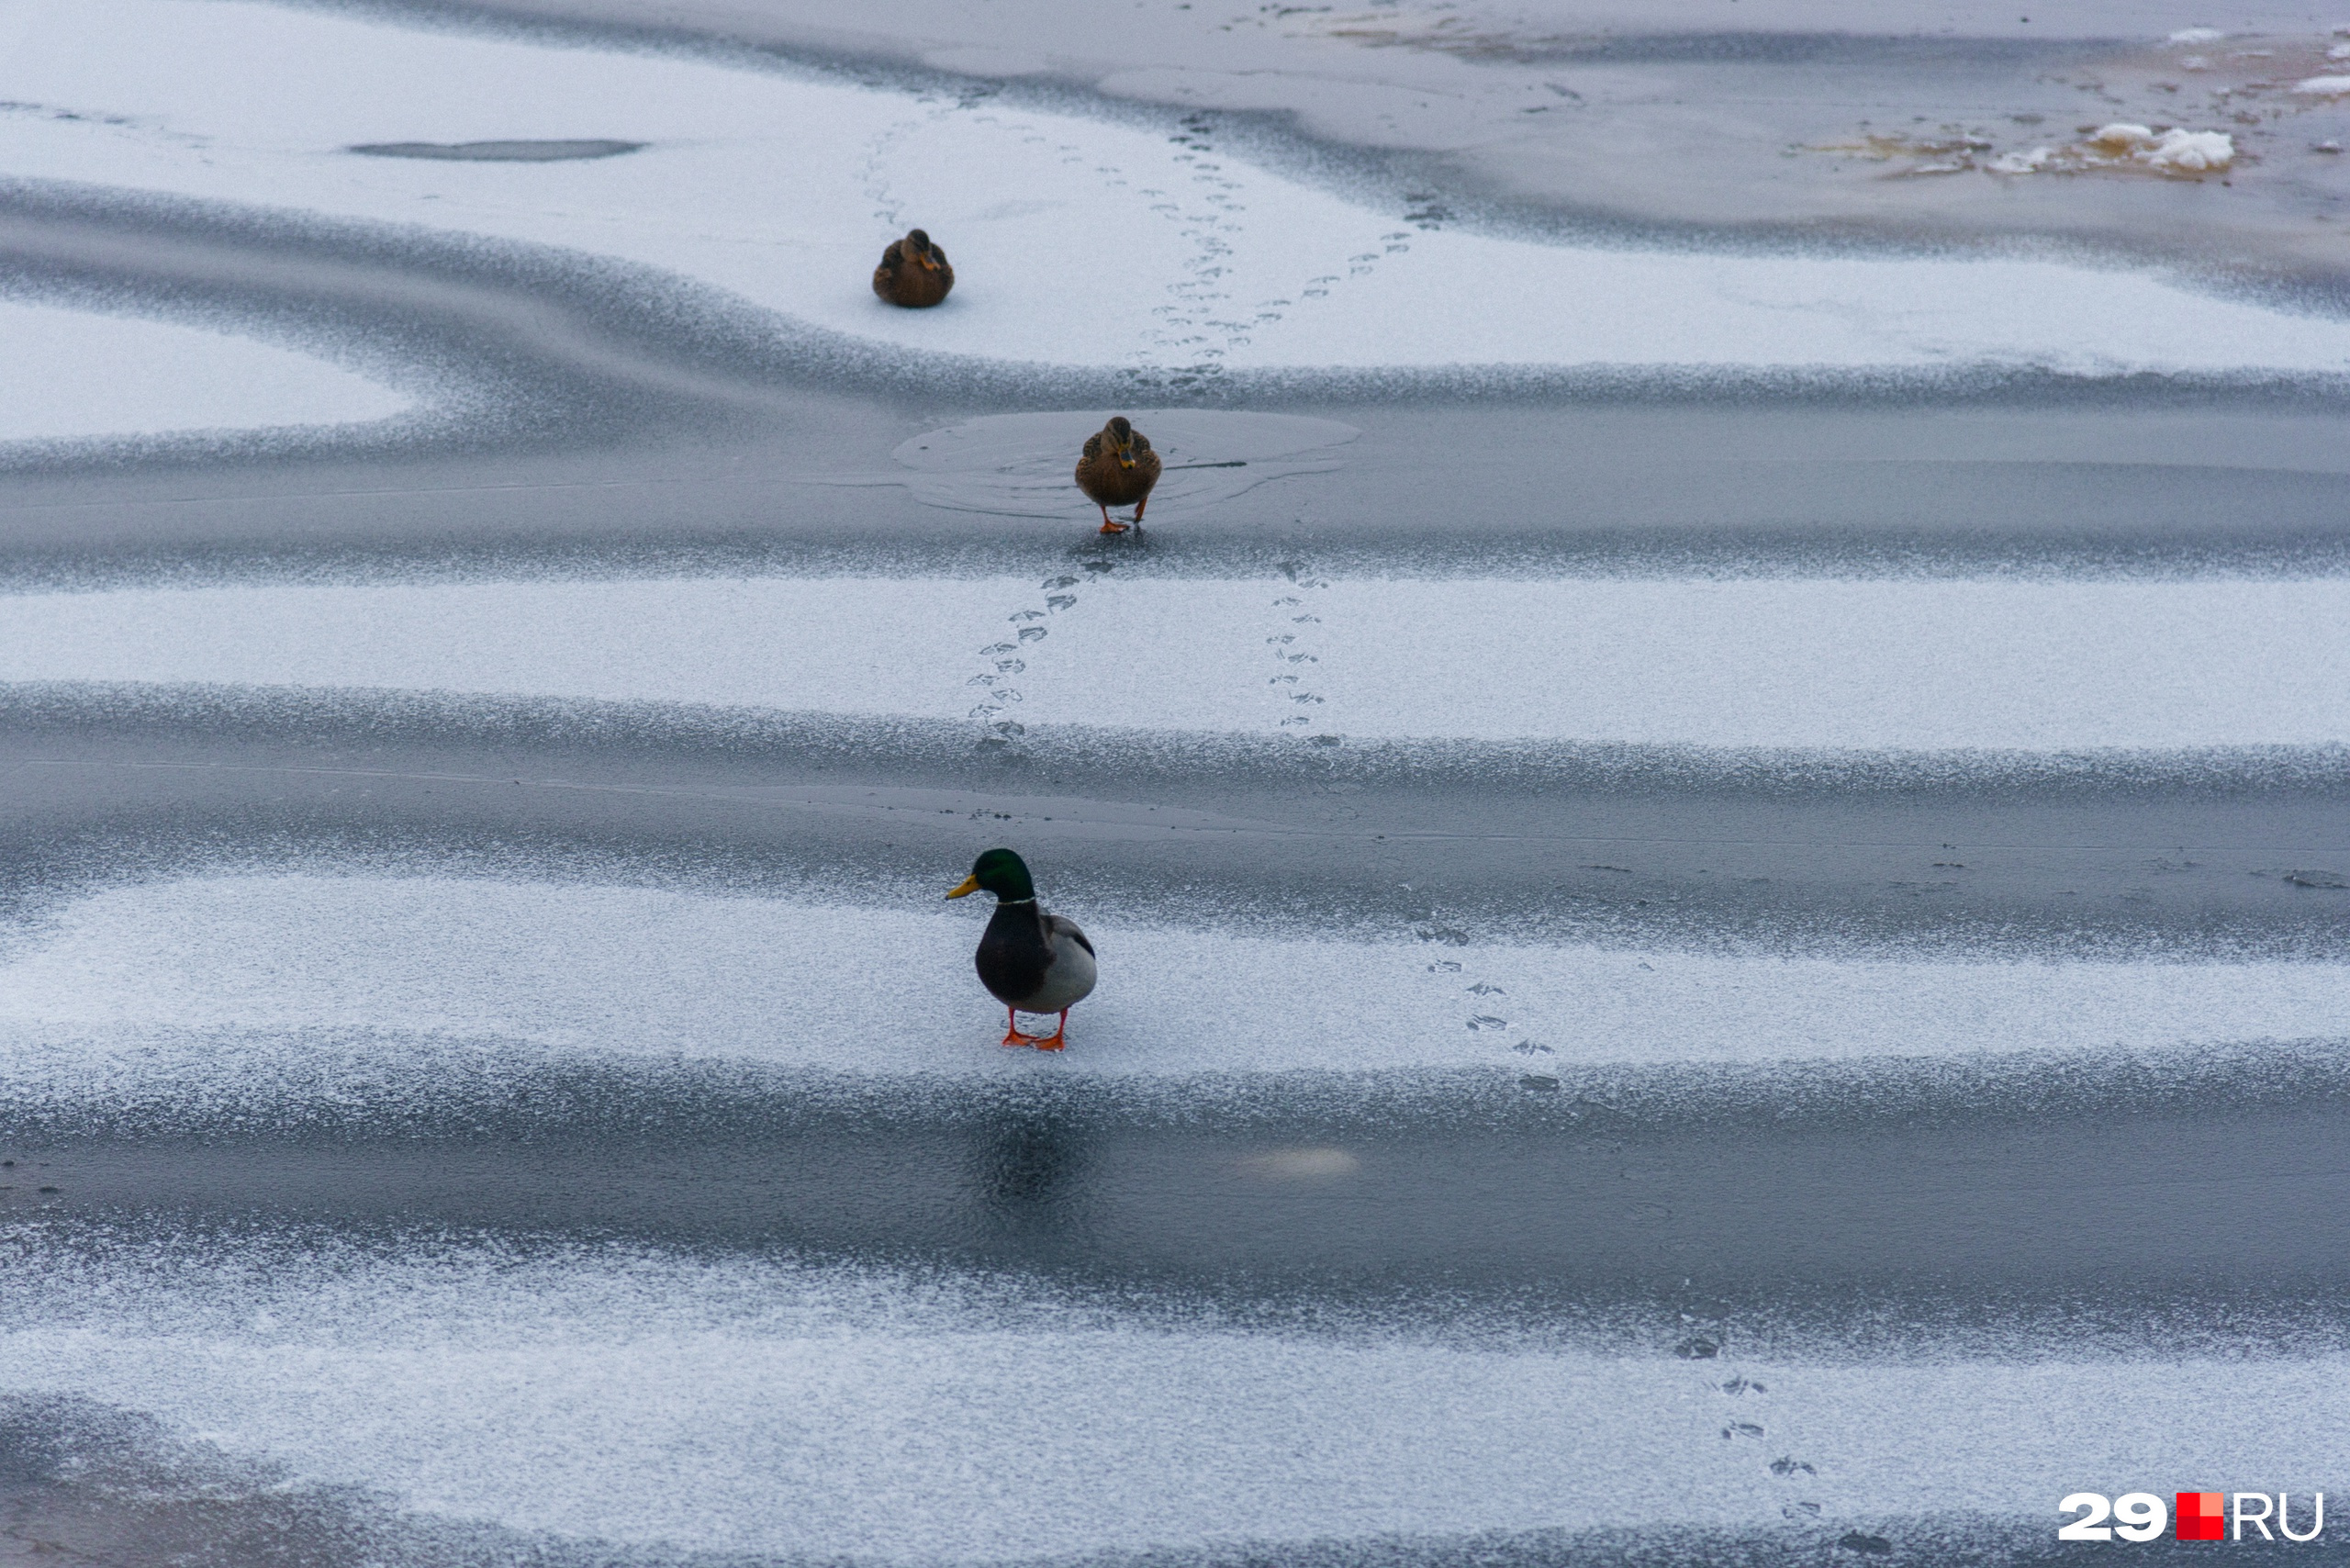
[{"x": 1114, "y": 527}]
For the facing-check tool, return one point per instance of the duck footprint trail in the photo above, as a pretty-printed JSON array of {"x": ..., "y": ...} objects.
[
  {"x": 1482, "y": 1008},
  {"x": 1179, "y": 338},
  {"x": 1189, "y": 336},
  {"x": 1297, "y": 654},
  {"x": 1746, "y": 1426},
  {"x": 998, "y": 686}
]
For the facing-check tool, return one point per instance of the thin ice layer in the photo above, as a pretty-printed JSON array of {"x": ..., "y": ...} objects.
[
  {"x": 1075, "y": 241},
  {"x": 75, "y": 374},
  {"x": 762, "y": 1407},
  {"x": 244, "y": 966},
  {"x": 1774, "y": 663}
]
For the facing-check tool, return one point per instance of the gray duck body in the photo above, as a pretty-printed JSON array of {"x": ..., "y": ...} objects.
[{"x": 1035, "y": 961}]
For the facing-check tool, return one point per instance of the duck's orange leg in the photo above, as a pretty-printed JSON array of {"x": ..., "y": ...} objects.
[
  {"x": 1056, "y": 1040},
  {"x": 1107, "y": 526},
  {"x": 1012, "y": 1035},
  {"x": 1138, "y": 506}
]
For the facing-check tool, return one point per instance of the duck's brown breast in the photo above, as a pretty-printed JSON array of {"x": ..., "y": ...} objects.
[
  {"x": 902, "y": 281},
  {"x": 1107, "y": 483}
]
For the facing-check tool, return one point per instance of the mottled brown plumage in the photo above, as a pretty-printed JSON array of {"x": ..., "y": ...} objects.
[
  {"x": 913, "y": 273},
  {"x": 1117, "y": 469}
]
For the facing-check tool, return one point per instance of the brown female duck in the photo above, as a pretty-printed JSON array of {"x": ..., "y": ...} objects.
[
  {"x": 1118, "y": 468},
  {"x": 913, "y": 273}
]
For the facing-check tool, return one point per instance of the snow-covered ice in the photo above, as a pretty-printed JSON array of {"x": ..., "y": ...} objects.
[
  {"x": 781, "y": 188},
  {"x": 93, "y": 1004},
  {"x": 77, "y": 374},
  {"x": 833, "y": 1414},
  {"x": 1924, "y": 664}
]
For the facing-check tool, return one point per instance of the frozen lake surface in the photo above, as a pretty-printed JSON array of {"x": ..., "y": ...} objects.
[{"x": 1713, "y": 807}]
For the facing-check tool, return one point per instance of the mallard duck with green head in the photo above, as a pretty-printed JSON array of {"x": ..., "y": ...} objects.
[
  {"x": 913, "y": 273},
  {"x": 1116, "y": 469},
  {"x": 1030, "y": 959}
]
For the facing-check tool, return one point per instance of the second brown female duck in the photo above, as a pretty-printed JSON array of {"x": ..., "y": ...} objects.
[
  {"x": 1117, "y": 469},
  {"x": 913, "y": 273}
]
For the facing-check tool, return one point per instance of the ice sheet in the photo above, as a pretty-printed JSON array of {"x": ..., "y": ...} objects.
[
  {"x": 828, "y": 1414},
  {"x": 79, "y": 373},
  {"x": 611, "y": 972},
  {"x": 1075, "y": 241},
  {"x": 1787, "y": 663},
  {"x": 1020, "y": 464}
]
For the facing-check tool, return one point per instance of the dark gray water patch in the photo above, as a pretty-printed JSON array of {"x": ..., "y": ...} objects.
[
  {"x": 1985, "y": 1214},
  {"x": 2148, "y": 857},
  {"x": 496, "y": 151},
  {"x": 1080, "y": 756},
  {"x": 804, "y": 482},
  {"x": 337, "y": 1085}
]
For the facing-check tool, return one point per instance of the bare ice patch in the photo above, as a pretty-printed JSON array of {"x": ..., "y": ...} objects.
[
  {"x": 498, "y": 152},
  {"x": 80, "y": 374},
  {"x": 1020, "y": 465},
  {"x": 207, "y": 982}
]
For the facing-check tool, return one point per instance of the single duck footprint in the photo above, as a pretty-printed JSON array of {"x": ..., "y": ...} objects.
[{"x": 1482, "y": 1022}]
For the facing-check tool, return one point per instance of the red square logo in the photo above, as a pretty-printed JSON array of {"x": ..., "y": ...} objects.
[{"x": 2202, "y": 1515}]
